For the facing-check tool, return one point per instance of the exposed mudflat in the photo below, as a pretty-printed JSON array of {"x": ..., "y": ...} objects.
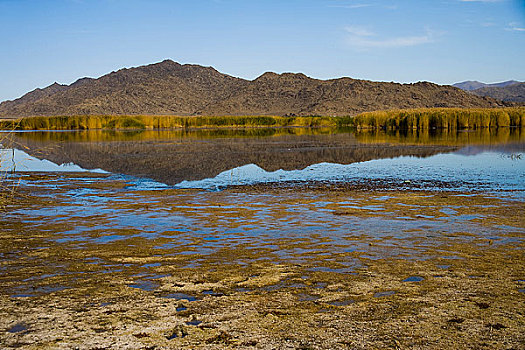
[{"x": 91, "y": 261}]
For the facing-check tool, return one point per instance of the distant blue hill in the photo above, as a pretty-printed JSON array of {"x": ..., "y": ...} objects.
[
  {"x": 470, "y": 85},
  {"x": 508, "y": 91}
]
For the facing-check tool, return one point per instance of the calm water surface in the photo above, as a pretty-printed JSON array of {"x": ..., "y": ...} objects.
[{"x": 214, "y": 160}]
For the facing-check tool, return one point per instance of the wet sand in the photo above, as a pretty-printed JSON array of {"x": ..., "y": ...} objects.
[{"x": 92, "y": 262}]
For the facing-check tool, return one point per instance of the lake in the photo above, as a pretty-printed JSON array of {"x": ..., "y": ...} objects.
[{"x": 177, "y": 238}]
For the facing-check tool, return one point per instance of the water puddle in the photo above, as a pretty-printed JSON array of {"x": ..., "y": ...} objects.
[
  {"x": 212, "y": 293},
  {"x": 331, "y": 269},
  {"x": 306, "y": 297},
  {"x": 384, "y": 294},
  {"x": 148, "y": 286},
  {"x": 179, "y": 296},
  {"x": 344, "y": 302},
  {"x": 17, "y": 328},
  {"x": 444, "y": 267},
  {"x": 194, "y": 322},
  {"x": 413, "y": 279},
  {"x": 151, "y": 265},
  {"x": 22, "y": 295}
]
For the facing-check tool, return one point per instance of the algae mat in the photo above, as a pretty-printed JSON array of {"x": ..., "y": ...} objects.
[{"x": 91, "y": 261}]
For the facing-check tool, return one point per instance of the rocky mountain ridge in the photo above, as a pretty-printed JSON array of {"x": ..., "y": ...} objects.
[{"x": 169, "y": 88}]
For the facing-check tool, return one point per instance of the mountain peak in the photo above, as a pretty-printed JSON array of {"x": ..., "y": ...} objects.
[
  {"x": 267, "y": 76},
  {"x": 166, "y": 62}
]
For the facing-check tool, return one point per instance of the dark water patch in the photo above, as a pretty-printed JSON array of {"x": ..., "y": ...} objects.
[
  {"x": 154, "y": 277},
  {"x": 521, "y": 290},
  {"x": 384, "y": 294},
  {"x": 274, "y": 287},
  {"x": 22, "y": 295},
  {"x": 324, "y": 311},
  {"x": 331, "y": 269},
  {"x": 17, "y": 328},
  {"x": 413, "y": 279},
  {"x": 193, "y": 322},
  {"x": 344, "y": 302},
  {"x": 148, "y": 286},
  {"x": 151, "y": 265},
  {"x": 40, "y": 277},
  {"x": 306, "y": 297},
  {"x": 242, "y": 290},
  {"x": 173, "y": 336},
  {"x": 181, "y": 308},
  {"x": 28, "y": 291},
  {"x": 179, "y": 296},
  {"x": 212, "y": 293},
  {"x": 444, "y": 267}
]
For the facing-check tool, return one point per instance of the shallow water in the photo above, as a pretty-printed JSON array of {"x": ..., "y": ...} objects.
[{"x": 152, "y": 204}]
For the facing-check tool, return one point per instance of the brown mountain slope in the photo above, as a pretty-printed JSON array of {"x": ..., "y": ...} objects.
[{"x": 170, "y": 88}]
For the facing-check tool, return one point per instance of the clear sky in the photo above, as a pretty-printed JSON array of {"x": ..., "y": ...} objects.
[{"x": 443, "y": 41}]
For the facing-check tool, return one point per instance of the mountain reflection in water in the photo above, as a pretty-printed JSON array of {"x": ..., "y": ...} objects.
[{"x": 175, "y": 156}]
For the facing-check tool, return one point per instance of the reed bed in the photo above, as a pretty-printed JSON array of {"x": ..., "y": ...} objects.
[
  {"x": 442, "y": 118},
  {"x": 420, "y": 119}
]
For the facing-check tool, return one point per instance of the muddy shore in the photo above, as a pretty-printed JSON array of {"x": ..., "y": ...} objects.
[{"x": 259, "y": 267}]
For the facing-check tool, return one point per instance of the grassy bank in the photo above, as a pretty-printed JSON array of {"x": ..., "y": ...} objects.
[
  {"x": 442, "y": 118},
  {"x": 439, "y": 118}
]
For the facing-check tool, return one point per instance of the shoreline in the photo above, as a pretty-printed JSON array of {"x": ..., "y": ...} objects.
[
  {"x": 408, "y": 119},
  {"x": 392, "y": 283}
]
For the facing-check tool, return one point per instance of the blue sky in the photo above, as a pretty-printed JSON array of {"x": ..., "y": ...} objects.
[{"x": 443, "y": 41}]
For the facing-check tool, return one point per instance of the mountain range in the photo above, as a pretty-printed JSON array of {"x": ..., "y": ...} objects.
[
  {"x": 169, "y": 88},
  {"x": 507, "y": 91},
  {"x": 470, "y": 85}
]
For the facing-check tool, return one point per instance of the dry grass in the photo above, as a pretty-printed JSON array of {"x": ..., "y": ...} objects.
[
  {"x": 428, "y": 118},
  {"x": 442, "y": 118}
]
